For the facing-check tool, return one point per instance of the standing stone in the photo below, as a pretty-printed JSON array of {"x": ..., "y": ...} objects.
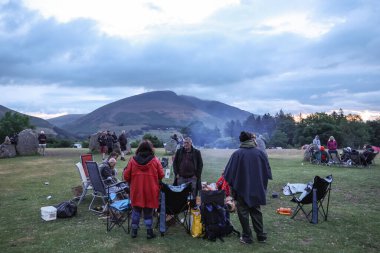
[
  {"x": 171, "y": 147},
  {"x": 27, "y": 142},
  {"x": 93, "y": 144},
  {"x": 7, "y": 150},
  {"x": 309, "y": 151},
  {"x": 261, "y": 144}
]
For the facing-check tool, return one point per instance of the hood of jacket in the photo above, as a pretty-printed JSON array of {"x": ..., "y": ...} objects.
[{"x": 143, "y": 159}]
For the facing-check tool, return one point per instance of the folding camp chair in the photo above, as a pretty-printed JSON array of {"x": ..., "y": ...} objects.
[
  {"x": 84, "y": 158},
  {"x": 323, "y": 188},
  {"x": 119, "y": 211},
  {"x": 368, "y": 158},
  {"x": 355, "y": 158},
  {"x": 116, "y": 203},
  {"x": 86, "y": 184},
  {"x": 174, "y": 204}
]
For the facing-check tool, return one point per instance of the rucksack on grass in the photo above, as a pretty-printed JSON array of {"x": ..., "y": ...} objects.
[{"x": 215, "y": 219}]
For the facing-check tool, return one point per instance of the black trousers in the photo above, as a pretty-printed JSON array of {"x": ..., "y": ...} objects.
[{"x": 244, "y": 213}]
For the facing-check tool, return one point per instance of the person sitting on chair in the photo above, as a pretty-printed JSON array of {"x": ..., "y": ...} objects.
[
  {"x": 108, "y": 173},
  {"x": 332, "y": 146}
]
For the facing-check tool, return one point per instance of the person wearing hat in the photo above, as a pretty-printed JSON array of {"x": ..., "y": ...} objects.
[
  {"x": 247, "y": 172},
  {"x": 42, "y": 142}
]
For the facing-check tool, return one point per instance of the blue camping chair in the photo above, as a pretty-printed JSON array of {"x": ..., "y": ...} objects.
[{"x": 116, "y": 203}]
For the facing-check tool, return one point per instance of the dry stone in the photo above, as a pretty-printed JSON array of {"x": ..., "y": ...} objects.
[
  {"x": 7, "y": 150},
  {"x": 261, "y": 145},
  {"x": 27, "y": 142},
  {"x": 308, "y": 152},
  {"x": 93, "y": 142},
  {"x": 171, "y": 147}
]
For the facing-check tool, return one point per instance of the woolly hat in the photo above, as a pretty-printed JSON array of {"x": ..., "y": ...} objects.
[{"x": 245, "y": 136}]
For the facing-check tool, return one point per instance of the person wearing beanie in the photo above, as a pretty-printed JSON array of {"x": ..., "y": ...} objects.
[{"x": 247, "y": 172}]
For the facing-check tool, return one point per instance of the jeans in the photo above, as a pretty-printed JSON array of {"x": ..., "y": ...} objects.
[{"x": 148, "y": 217}]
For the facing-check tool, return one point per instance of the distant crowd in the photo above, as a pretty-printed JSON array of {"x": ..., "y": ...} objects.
[{"x": 106, "y": 141}]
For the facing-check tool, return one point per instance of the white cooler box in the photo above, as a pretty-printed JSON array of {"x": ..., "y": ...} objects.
[{"x": 48, "y": 213}]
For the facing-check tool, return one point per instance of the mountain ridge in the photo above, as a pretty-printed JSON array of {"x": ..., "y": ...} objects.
[{"x": 150, "y": 110}]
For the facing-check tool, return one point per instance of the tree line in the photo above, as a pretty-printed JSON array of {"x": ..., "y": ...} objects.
[
  {"x": 285, "y": 130},
  {"x": 280, "y": 130}
]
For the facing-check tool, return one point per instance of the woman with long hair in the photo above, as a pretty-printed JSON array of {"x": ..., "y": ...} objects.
[{"x": 143, "y": 173}]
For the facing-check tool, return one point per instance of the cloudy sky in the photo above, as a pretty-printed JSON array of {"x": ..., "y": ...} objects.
[{"x": 72, "y": 56}]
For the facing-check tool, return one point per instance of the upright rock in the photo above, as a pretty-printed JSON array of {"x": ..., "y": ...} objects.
[
  {"x": 27, "y": 142},
  {"x": 7, "y": 150},
  {"x": 171, "y": 147},
  {"x": 93, "y": 144}
]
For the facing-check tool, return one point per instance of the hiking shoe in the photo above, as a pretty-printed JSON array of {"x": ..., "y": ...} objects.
[
  {"x": 262, "y": 239},
  {"x": 150, "y": 234},
  {"x": 246, "y": 240},
  {"x": 134, "y": 233}
]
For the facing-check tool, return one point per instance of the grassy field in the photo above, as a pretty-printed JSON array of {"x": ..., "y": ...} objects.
[{"x": 353, "y": 224}]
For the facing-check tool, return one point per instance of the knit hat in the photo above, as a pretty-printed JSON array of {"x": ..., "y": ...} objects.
[{"x": 245, "y": 136}]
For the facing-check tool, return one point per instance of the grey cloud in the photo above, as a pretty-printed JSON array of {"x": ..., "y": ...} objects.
[{"x": 215, "y": 55}]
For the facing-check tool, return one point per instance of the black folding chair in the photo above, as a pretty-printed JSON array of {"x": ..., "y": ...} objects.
[
  {"x": 119, "y": 211},
  {"x": 368, "y": 158},
  {"x": 323, "y": 189},
  {"x": 174, "y": 205},
  {"x": 115, "y": 203}
]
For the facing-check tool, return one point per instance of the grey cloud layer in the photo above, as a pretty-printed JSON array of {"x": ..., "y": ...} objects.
[{"x": 34, "y": 50}]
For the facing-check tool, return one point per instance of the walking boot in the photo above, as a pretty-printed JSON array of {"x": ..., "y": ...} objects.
[
  {"x": 150, "y": 234},
  {"x": 134, "y": 233}
]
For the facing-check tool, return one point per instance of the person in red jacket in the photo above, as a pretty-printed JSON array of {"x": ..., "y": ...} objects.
[{"x": 143, "y": 173}]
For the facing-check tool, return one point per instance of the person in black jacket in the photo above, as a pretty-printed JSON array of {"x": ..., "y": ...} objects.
[
  {"x": 188, "y": 165},
  {"x": 42, "y": 142},
  {"x": 247, "y": 173},
  {"x": 110, "y": 140},
  {"x": 123, "y": 144},
  {"x": 102, "y": 140}
]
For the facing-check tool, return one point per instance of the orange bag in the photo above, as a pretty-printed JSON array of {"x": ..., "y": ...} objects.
[{"x": 284, "y": 211}]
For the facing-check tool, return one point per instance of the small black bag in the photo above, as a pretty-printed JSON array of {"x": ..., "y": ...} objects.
[{"x": 66, "y": 209}]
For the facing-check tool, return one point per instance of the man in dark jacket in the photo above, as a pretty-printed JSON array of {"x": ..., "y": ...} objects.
[
  {"x": 247, "y": 172},
  {"x": 102, "y": 140},
  {"x": 123, "y": 144},
  {"x": 188, "y": 165},
  {"x": 42, "y": 142}
]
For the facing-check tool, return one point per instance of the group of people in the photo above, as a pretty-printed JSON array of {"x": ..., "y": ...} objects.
[
  {"x": 247, "y": 172},
  {"x": 332, "y": 148},
  {"x": 106, "y": 141}
]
